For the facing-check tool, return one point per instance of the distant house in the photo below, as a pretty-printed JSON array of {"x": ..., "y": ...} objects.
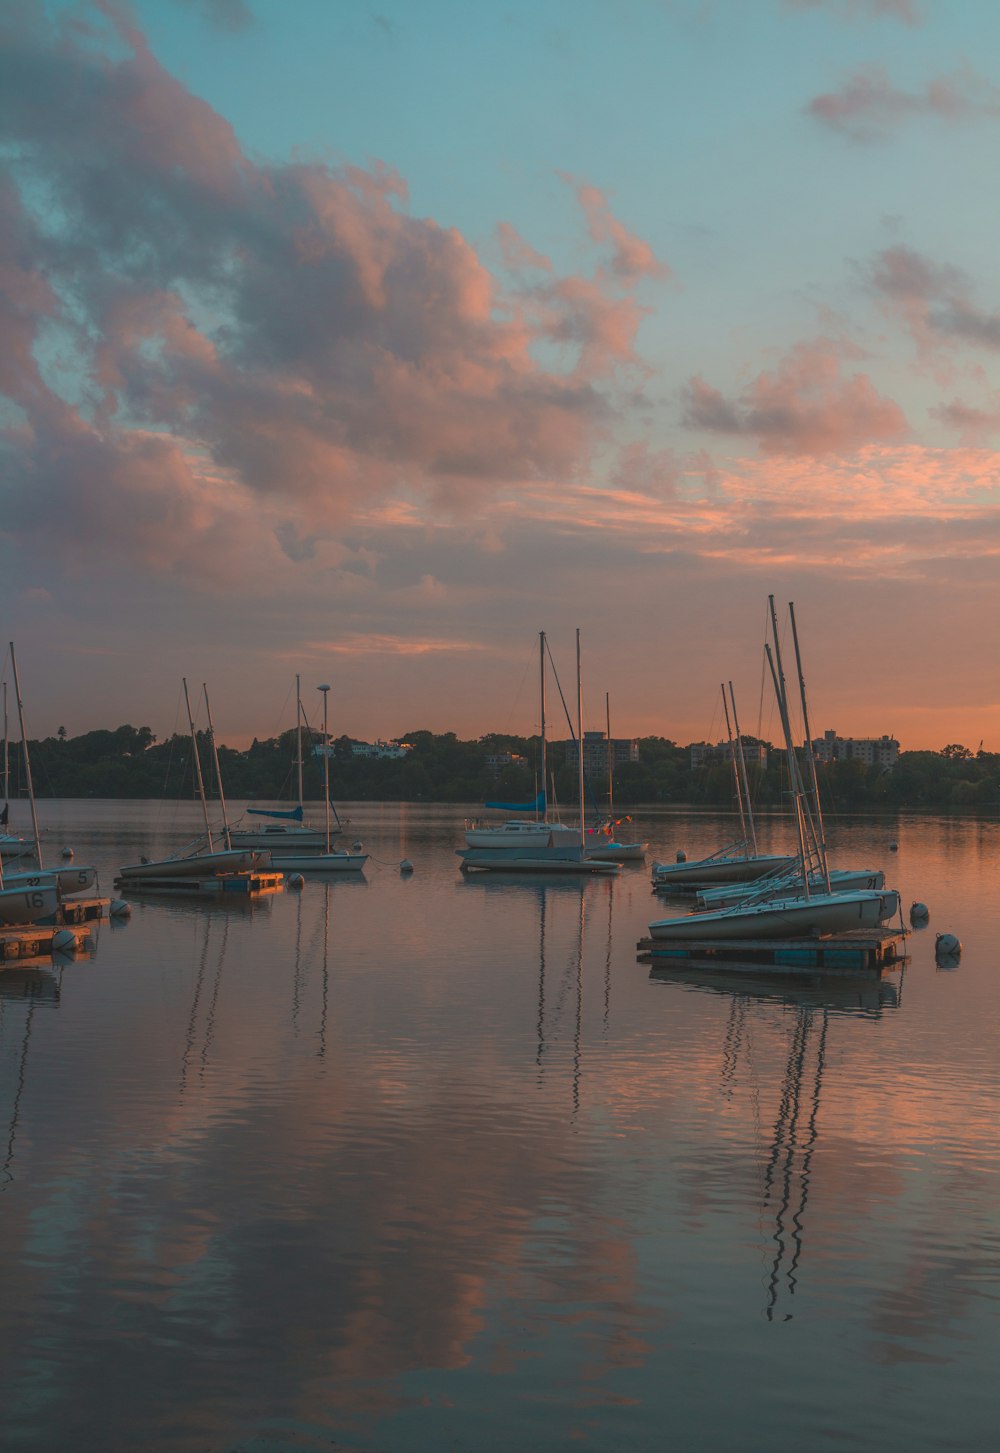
[
  {"x": 368, "y": 749},
  {"x": 873, "y": 751},
  {"x": 497, "y": 761}
]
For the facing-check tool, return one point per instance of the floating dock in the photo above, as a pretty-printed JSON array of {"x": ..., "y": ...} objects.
[
  {"x": 863, "y": 950},
  {"x": 216, "y": 886},
  {"x": 34, "y": 940}
]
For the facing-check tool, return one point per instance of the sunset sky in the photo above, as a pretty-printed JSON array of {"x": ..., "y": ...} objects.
[{"x": 367, "y": 340}]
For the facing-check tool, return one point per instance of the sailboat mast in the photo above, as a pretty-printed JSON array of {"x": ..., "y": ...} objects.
[
  {"x": 545, "y": 780},
  {"x": 6, "y": 752},
  {"x": 326, "y": 767},
  {"x": 792, "y": 774},
  {"x": 810, "y": 755},
  {"x": 579, "y": 741},
  {"x": 197, "y": 765},
  {"x": 795, "y": 774},
  {"x": 218, "y": 770},
  {"x": 27, "y": 759},
  {"x": 298, "y": 735},
  {"x": 611, "y": 757},
  {"x": 743, "y": 772},
  {"x": 736, "y": 771}
]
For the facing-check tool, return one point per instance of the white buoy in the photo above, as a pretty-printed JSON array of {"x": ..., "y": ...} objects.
[
  {"x": 919, "y": 912},
  {"x": 68, "y": 853},
  {"x": 63, "y": 942},
  {"x": 119, "y": 908},
  {"x": 682, "y": 856},
  {"x": 406, "y": 866},
  {"x": 357, "y": 846},
  {"x": 948, "y": 946},
  {"x": 296, "y": 880}
]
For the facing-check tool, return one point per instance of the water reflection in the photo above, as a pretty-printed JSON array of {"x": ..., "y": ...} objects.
[{"x": 436, "y": 1164}]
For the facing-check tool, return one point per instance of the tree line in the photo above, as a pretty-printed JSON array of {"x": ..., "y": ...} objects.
[{"x": 129, "y": 762}]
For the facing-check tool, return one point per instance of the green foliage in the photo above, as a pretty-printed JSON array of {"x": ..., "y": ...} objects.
[{"x": 129, "y": 762}]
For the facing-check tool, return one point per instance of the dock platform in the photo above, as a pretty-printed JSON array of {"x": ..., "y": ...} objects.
[
  {"x": 34, "y": 941},
  {"x": 217, "y": 886},
  {"x": 861, "y": 950}
]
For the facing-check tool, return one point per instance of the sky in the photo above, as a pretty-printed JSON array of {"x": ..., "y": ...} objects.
[{"x": 365, "y": 342}]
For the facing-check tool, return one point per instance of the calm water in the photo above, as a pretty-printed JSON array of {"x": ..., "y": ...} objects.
[{"x": 398, "y": 1164}]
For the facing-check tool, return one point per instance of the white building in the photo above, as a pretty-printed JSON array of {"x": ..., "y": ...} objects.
[
  {"x": 872, "y": 751},
  {"x": 368, "y": 749},
  {"x": 595, "y": 752}
]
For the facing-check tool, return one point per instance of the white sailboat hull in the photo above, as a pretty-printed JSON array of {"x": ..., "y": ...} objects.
[
  {"x": 519, "y": 835},
  {"x": 28, "y": 905},
  {"x": 15, "y": 847},
  {"x": 719, "y": 870},
  {"x": 782, "y": 918},
  {"x": 67, "y": 880},
  {"x": 318, "y": 862},
  {"x": 198, "y": 865},
  {"x": 533, "y": 860},
  {"x": 842, "y": 880}
]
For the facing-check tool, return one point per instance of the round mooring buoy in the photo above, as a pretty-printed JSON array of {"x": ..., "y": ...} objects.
[
  {"x": 406, "y": 866},
  {"x": 948, "y": 946},
  {"x": 682, "y": 856},
  {"x": 295, "y": 880},
  {"x": 63, "y": 942},
  {"x": 68, "y": 853},
  {"x": 118, "y": 908},
  {"x": 919, "y": 913},
  {"x": 894, "y": 847},
  {"x": 357, "y": 846}
]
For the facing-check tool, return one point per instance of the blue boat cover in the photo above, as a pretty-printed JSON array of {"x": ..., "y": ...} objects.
[
  {"x": 537, "y": 806},
  {"x": 295, "y": 815}
]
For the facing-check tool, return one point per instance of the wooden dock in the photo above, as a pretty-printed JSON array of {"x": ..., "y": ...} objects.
[
  {"x": 862, "y": 950},
  {"x": 34, "y": 940},
  {"x": 217, "y": 886}
]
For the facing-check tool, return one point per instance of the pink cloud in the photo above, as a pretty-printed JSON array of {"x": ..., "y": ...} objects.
[
  {"x": 518, "y": 255},
  {"x": 805, "y": 406},
  {"x": 868, "y": 107},
  {"x": 631, "y": 257},
  {"x": 291, "y": 327}
]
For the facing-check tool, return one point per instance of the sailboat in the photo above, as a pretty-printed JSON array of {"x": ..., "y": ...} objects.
[
  {"x": 607, "y": 845},
  {"x": 522, "y": 833},
  {"x": 740, "y": 862},
  {"x": 804, "y": 912},
  {"x": 28, "y": 895},
  {"x": 286, "y": 828},
  {"x": 555, "y": 855},
  {"x": 288, "y": 860},
  {"x": 197, "y": 863}
]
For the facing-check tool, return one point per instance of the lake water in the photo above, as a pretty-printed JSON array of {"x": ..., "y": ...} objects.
[{"x": 420, "y": 1164}]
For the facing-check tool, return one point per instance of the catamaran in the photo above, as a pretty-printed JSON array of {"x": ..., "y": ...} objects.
[{"x": 195, "y": 862}]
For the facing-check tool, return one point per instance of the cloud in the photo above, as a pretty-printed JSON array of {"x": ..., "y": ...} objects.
[
  {"x": 933, "y": 302},
  {"x": 249, "y": 348},
  {"x": 805, "y": 406},
  {"x": 869, "y": 108},
  {"x": 518, "y": 255}
]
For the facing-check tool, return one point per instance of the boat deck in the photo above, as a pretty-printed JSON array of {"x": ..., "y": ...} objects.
[
  {"x": 217, "y": 885},
  {"x": 838, "y": 953}
]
